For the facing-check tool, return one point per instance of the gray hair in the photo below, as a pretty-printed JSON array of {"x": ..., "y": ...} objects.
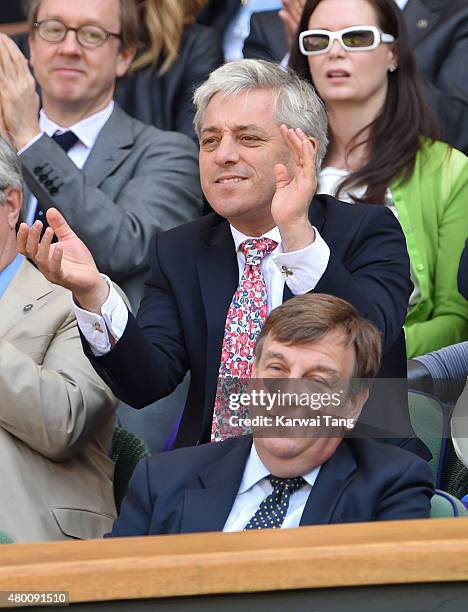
[
  {"x": 10, "y": 169},
  {"x": 297, "y": 105}
]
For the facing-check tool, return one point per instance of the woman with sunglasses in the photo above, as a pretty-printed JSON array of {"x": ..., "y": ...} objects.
[{"x": 384, "y": 151}]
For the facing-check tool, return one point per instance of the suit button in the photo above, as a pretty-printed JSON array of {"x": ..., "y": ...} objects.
[
  {"x": 38, "y": 170},
  {"x": 53, "y": 191},
  {"x": 49, "y": 183}
]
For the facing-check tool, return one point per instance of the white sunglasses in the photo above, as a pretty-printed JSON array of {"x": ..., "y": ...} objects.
[{"x": 356, "y": 38}]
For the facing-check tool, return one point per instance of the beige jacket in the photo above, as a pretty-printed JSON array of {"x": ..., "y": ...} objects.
[{"x": 56, "y": 419}]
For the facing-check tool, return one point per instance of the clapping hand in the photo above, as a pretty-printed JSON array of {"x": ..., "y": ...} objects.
[
  {"x": 290, "y": 15},
  {"x": 295, "y": 190},
  {"x": 67, "y": 262}
]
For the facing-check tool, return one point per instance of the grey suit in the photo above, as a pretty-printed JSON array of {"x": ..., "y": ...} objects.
[
  {"x": 137, "y": 181},
  {"x": 56, "y": 419}
]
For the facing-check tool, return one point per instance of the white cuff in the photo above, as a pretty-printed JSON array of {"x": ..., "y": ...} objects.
[
  {"x": 303, "y": 269},
  {"x": 30, "y": 143},
  {"x": 95, "y": 328}
]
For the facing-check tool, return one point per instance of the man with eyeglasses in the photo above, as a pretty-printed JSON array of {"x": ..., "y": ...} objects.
[
  {"x": 116, "y": 180},
  {"x": 438, "y": 32}
]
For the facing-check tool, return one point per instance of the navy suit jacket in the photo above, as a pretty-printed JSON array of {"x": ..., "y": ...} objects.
[
  {"x": 193, "y": 489},
  {"x": 194, "y": 274}
]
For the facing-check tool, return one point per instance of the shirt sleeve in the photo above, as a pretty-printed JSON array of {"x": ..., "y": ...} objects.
[
  {"x": 95, "y": 328},
  {"x": 303, "y": 269}
]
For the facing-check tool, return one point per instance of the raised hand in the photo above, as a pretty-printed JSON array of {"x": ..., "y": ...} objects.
[
  {"x": 67, "y": 262},
  {"x": 290, "y": 15},
  {"x": 295, "y": 190},
  {"x": 19, "y": 102}
]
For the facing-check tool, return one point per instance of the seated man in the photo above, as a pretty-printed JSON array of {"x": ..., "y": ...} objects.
[
  {"x": 297, "y": 478},
  {"x": 116, "y": 180},
  {"x": 56, "y": 415},
  {"x": 213, "y": 281}
]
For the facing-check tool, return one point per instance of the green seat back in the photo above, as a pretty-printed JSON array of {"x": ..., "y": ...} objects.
[
  {"x": 4, "y": 539},
  {"x": 428, "y": 421},
  {"x": 444, "y": 505},
  {"x": 127, "y": 450}
]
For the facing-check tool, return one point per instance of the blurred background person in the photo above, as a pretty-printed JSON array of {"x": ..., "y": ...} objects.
[
  {"x": 438, "y": 35},
  {"x": 383, "y": 151},
  {"x": 12, "y": 17},
  {"x": 177, "y": 55},
  {"x": 231, "y": 19}
]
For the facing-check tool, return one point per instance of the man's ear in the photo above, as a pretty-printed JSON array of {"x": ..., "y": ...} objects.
[
  {"x": 313, "y": 141},
  {"x": 355, "y": 404},
  {"x": 124, "y": 60},
  {"x": 14, "y": 202}
]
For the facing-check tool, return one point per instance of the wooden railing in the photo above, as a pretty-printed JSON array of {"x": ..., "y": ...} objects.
[{"x": 422, "y": 551}]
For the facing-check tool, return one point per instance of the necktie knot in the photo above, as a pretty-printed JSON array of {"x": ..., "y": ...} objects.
[
  {"x": 256, "y": 249},
  {"x": 66, "y": 140},
  {"x": 274, "y": 508},
  {"x": 286, "y": 485}
]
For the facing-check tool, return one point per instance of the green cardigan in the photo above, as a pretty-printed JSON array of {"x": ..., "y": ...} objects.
[{"x": 433, "y": 211}]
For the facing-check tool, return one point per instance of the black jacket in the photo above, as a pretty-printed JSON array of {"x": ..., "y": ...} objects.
[
  {"x": 193, "y": 490},
  {"x": 194, "y": 274}
]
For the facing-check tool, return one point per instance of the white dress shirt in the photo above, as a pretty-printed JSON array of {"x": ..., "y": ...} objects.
[
  {"x": 87, "y": 130},
  {"x": 304, "y": 267},
  {"x": 255, "y": 487},
  {"x": 401, "y": 3}
]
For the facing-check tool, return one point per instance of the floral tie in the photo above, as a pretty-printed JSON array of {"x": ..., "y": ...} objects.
[
  {"x": 273, "y": 509},
  {"x": 245, "y": 317}
]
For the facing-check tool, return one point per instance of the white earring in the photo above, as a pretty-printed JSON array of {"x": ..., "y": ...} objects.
[{"x": 392, "y": 68}]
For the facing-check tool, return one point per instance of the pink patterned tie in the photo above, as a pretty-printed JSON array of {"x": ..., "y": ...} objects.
[{"x": 245, "y": 317}]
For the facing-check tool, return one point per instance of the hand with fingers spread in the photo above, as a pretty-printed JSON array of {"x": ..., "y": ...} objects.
[
  {"x": 67, "y": 262},
  {"x": 290, "y": 15},
  {"x": 294, "y": 192},
  {"x": 19, "y": 102}
]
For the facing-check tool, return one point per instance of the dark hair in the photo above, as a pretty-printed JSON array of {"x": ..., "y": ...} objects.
[
  {"x": 308, "y": 318},
  {"x": 129, "y": 20},
  {"x": 395, "y": 135}
]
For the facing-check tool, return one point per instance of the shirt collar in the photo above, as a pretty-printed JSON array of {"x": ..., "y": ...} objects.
[
  {"x": 255, "y": 471},
  {"x": 87, "y": 130},
  {"x": 239, "y": 237},
  {"x": 401, "y": 3}
]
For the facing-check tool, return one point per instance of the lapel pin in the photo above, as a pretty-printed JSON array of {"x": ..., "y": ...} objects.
[
  {"x": 287, "y": 271},
  {"x": 27, "y": 308},
  {"x": 422, "y": 23}
]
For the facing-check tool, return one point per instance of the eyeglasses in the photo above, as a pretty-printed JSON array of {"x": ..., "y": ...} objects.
[
  {"x": 54, "y": 31},
  {"x": 356, "y": 38}
]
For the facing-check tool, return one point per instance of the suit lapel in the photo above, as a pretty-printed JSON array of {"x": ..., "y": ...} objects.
[
  {"x": 22, "y": 297},
  {"x": 112, "y": 146},
  {"x": 218, "y": 275},
  {"x": 207, "y": 508},
  {"x": 420, "y": 20},
  {"x": 335, "y": 475}
]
